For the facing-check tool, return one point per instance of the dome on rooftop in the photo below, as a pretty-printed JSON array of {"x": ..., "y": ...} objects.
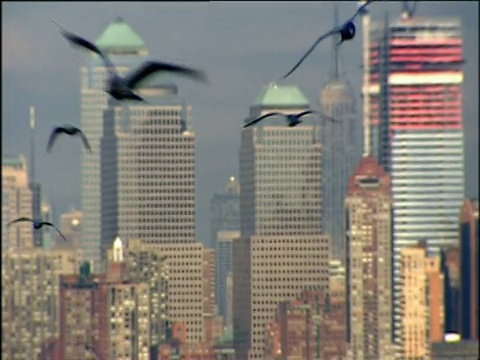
[
  {"x": 281, "y": 95},
  {"x": 119, "y": 36}
]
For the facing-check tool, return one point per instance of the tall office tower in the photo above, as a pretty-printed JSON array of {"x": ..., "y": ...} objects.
[
  {"x": 223, "y": 267},
  {"x": 148, "y": 169},
  {"x": 415, "y": 89},
  {"x": 71, "y": 226},
  {"x": 341, "y": 148},
  {"x": 47, "y": 214},
  {"x": 224, "y": 211},
  {"x": 184, "y": 262},
  {"x": 421, "y": 309},
  {"x": 282, "y": 249},
  {"x": 126, "y": 49},
  {"x": 368, "y": 246},
  {"x": 469, "y": 270},
  {"x": 146, "y": 266},
  {"x": 30, "y": 308},
  {"x": 229, "y": 302},
  {"x": 16, "y": 203},
  {"x": 208, "y": 269},
  {"x": 451, "y": 269}
]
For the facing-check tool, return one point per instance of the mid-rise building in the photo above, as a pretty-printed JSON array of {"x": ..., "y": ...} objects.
[
  {"x": 30, "y": 304},
  {"x": 71, "y": 227},
  {"x": 368, "y": 262},
  {"x": 282, "y": 250},
  {"x": 16, "y": 203}
]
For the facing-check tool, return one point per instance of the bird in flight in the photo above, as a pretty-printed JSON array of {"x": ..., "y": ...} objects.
[
  {"x": 122, "y": 88},
  {"x": 292, "y": 119},
  {"x": 346, "y": 31},
  {"x": 69, "y": 130},
  {"x": 37, "y": 224}
]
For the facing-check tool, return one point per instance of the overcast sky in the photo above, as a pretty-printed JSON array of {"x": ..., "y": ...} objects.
[{"x": 241, "y": 46}]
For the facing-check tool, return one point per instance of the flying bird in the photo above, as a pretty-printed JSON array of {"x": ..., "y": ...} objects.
[
  {"x": 69, "y": 130},
  {"x": 292, "y": 119},
  {"x": 37, "y": 224},
  {"x": 346, "y": 30},
  {"x": 122, "y": 88}
]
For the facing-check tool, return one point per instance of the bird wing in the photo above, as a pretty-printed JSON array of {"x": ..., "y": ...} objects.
[
  {"x": 84, "y": 43},
  {"x": 56, "y": 131},
  {"x": 63, "y": 236},
  {"x": 306, "y": 112},
  {"x": 327, "y": 118},
  {"x": 19, "y": 220},
  {"x": 318, "y": 41},
  {"x": 85, "y": 141},
  {"x": 360, "y": 10},
  {"x": 149, "y": 67},
  {"x": 261, "y": 118}
]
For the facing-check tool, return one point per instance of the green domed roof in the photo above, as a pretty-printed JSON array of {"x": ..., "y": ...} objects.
[
  {"x": 119, "y": 36},
  {"x": 281, "y": 95}
]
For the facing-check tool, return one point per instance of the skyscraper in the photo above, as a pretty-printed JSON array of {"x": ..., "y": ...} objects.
[
  {"x": 282, "y": 249},
  {"x": 368, "y": 247},
  {"x": 224, "y": 211},
  {"x": 16, "y": 202},
  {"x": 148, "y": 169},
  {"x": 341, "y": 148},
  {"x": 469, "y": 271},
  {"x": 126, "y": 49},
  {"x": 415, "y": 95}
]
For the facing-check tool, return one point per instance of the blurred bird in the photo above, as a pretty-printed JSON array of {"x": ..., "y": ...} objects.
[
  {"x": 121, "y": 88},
  {"x": 69, "y": 130},
  {"x": 292, "y": 119},
  {"x": 346, "y": 31},
  {"x": 37, "y": 224}
]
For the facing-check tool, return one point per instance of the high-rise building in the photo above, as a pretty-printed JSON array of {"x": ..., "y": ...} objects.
[
  {"x": 126, "y": 49},
  {"x": 341, "y": 148},
  {"x": 148, "y": 169},
  {"x": 415, "y": 91},
  {"x": 16, "y": 203},
  {"x": 450, "y": 259},
  {"x": 368, "y": 245},
  {"x": 30, "y": 304},
  {"x": 421, "y": 309},
  {"x": 224, "y": 211},
  {"x": 469, "y": 270},
  {"x": 208, "y": 269},
  {"x": 282, "y": 249},
  {"x": 223, "y": 252}
]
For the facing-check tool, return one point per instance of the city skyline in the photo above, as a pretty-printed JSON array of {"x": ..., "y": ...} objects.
[{"x": 236, "y": 74}]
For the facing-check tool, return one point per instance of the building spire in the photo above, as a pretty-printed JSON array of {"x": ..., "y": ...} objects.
[
  {"x": 335, "y": 71},
  {"x": 32, "y": 144}
]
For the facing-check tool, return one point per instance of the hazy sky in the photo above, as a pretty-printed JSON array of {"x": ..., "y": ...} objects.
[{"x": 241, "y": 46}]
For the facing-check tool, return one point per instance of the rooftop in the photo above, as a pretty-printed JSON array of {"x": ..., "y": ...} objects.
[
  {"x": 119, "y": 36},
  {"x": 281, "y": 95}
]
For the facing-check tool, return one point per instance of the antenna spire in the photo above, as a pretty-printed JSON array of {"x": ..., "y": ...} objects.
[
  {"x": 32, "y": 144},
  {"x": 336, "y": 59}
]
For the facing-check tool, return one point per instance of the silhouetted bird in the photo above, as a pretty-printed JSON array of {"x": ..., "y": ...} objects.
[
  {"x": 346, "y": 31},
  {"x": 37, "y": 224},
  {"x": 292, "y": 119},
  {"x": 69, "y": 130},
  {"x": 121, "y": 88}
]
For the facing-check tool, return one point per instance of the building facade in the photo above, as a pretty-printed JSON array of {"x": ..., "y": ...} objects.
[
  {"x": 126, "y": 49},
  {"x": 282, "y": 249},
  {"x": 368, "y": 262}
]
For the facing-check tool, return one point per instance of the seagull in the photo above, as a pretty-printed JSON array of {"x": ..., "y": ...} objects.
[
  {"x": 292, "y": 119},
  {"x": 69, "y": 130},
  {"x": 122, "y": 88},
  {"x": 37, "y": 224},
  {"x": 346, "y": 31}
]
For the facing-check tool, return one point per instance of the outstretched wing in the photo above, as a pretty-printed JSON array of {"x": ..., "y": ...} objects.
[
  {"x": 22, "y": 219},
  {"x": 56, "y": 131},
  {"x": 261, "y": 118},
  {"x": 318, "y": 41},
  {"x": 149, "y": 67},
  {"x": 63, "y": 236},
  {"x": 306, "y": 112},
  {"x": 84, "y": 43},
  {"x": 360, "y": 10},
  {"x": 327, "y": 118},
  {"x": 85, "y": 141}
]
